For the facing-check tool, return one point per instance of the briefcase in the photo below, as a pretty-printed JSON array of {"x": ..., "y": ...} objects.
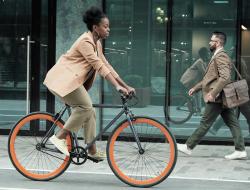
[{"x": 235, "y": 94}]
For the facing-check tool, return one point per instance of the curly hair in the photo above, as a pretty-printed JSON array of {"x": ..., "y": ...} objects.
[{"x": 93, "y": 16}]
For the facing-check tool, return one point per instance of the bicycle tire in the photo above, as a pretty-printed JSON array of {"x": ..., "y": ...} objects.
[
  {"x": 24, "y": 153},
  {"x": 181, "y": 109},
  {"x": 160, "y": 152}
]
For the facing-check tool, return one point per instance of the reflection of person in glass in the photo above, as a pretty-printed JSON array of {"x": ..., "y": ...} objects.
[
  {"x": 73, "y": 75},
  {"x": 211, "y": 86},
  {"x": 245, "y": 108},
  {"x": 194, "y": 74}
]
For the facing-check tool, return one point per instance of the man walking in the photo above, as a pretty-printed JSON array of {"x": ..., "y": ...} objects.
[{"x": 211, "y": 86}]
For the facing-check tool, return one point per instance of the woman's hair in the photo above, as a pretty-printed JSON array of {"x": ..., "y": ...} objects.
[{"x": 93, "y": 16}]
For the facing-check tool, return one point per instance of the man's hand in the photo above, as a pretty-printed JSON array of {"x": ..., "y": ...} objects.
[
  {"x": 191, "y": 92},
  {"x": 209, "y": 98}
]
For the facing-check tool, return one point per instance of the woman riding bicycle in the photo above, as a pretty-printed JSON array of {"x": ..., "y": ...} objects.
[{"x": 73, "y": 75}]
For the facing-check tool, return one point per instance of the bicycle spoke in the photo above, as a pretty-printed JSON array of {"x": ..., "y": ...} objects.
[
  {"x": 146, "y": 168},
  {"x": 54, "y": 156},
  {"x": 32, "y": 158}
]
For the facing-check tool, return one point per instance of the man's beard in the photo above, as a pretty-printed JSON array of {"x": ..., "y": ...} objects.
[{"x": 212, "y": 49}]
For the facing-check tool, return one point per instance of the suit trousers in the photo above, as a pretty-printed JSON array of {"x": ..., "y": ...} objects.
[
  {"x": 82, "y": 114},
  {"x": 212, "y": 111},
  {"x": 244, "y": 109}
]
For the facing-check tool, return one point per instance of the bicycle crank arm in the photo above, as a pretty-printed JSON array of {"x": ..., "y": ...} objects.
[{"x": 94, "y": 159}]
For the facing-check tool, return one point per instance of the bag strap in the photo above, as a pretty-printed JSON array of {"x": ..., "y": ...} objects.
[{"x": 217, "y": 73}]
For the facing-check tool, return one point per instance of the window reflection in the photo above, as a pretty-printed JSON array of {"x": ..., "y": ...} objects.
[
  {"x": 192, "y": 25},
  {"x": 138, "y": 46},
  {"x": 15, "y": 24}
]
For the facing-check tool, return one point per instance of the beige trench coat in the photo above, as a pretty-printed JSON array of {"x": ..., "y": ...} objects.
[{"x": 78, "y": 66}]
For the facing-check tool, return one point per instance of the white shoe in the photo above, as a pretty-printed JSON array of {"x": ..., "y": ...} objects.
[
  {"x": 184, "y": 149},
  {"x": 236, "y": 155},
  {"x": 60, "y": 144}
]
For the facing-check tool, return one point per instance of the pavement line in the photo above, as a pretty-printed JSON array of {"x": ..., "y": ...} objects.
[
  {"x": 8, "y": 115},
  {"x": 7, "y": 188},
  {"x": 209, "y": 179},
  {"x": 171, "y": 177}
]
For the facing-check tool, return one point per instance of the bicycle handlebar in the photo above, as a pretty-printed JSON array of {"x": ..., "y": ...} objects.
[{"x": 125, "y": 98}]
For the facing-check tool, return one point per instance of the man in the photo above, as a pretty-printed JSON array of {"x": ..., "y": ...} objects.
[
  {"x": 244, "y": 109},
  {"x": 211, "y": 86}
]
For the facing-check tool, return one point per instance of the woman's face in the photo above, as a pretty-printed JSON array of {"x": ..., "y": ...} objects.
[{"x": 102, "y": 28}]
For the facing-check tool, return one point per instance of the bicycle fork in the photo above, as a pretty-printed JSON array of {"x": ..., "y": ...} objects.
[{"x": 141, "y": 150}]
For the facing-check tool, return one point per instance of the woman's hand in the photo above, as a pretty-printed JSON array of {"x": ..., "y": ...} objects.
[
  {"x": 130, "y": 90},
  {"x": 122, "y": 90}
]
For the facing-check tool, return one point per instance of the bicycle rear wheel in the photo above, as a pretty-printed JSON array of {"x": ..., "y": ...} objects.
[
  {"x": 142, "y": 169},
  {"x": 181, "y": 109},
  {"x": 32, "y": 158}
]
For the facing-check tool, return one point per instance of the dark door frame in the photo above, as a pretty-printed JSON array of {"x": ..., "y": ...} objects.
[{"x": 35, "y": 53}]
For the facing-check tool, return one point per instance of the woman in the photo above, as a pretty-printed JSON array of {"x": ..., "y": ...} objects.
[{"x": 73, "y": 75}]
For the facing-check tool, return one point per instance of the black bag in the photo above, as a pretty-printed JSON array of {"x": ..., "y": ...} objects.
[{"x": 235, "y": 93}]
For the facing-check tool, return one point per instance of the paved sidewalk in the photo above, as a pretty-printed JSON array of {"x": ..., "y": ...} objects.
[{"x": 207, "y": 162}]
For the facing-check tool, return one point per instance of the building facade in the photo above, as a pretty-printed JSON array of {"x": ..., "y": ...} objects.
[{"x": 151, "y": 44}]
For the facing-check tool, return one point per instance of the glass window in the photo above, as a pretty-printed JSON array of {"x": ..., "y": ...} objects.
[
  {"x": 136, "y": 48},
  {"x": 193, "y": 23},
  {"x": 15, "y": 25}
]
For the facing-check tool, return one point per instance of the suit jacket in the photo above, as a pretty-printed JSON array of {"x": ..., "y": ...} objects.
[
  {"x": 214, "y": 81},
  {"x": 78, "y": 66}
]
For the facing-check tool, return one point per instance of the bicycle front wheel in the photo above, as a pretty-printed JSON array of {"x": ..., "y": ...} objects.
[
  {"x": 31, "y": 157},
  {"x": 142, "y": 169}
]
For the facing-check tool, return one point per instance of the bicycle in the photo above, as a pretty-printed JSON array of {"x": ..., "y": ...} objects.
[
  {"x": 141, "y": 151},
  {"x": 182, "y": 108}
]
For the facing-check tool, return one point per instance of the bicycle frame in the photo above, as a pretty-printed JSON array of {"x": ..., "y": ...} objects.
[
  {"x": 125, "y": 110},
  {"x": 130, "y": 148}
]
